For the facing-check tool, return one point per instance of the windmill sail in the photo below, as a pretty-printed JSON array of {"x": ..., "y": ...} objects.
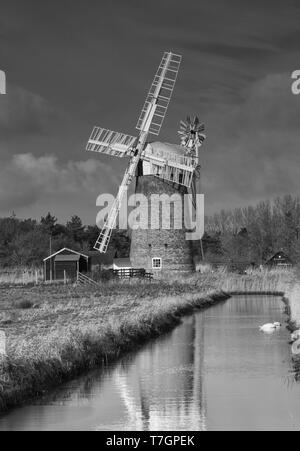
[
  {"x": 120, "y": 145},
  {"x": 106, "y": 232},
  {"x": 173, "y": 173},
  {"x": 110, "y": 142},
  {"x": 160, "y": 94}
]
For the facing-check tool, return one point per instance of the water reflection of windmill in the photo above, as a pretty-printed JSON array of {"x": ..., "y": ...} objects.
[
  {"x": 159, "y": 168},
  {"x": 163, "y": 388}
]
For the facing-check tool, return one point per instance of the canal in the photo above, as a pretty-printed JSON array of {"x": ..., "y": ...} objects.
[{"x": 216, "y": 371}]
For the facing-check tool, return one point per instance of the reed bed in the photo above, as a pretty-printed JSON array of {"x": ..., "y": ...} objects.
[
  {"x": 259, "y": 281},
  {"x": 293, "y": 296},
  {"x": 279, "y": 282},
  {"x": 20, "y": 276}
]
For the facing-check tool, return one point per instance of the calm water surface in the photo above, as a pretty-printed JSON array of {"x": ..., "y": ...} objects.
[{"x": 214, "y": 372}]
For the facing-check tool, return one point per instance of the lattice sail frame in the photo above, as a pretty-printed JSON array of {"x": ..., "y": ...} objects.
[
  {"x": 111, "y": 143},
  {"x": 119, "y": 144},
  {"x": 169, "y": 67}
]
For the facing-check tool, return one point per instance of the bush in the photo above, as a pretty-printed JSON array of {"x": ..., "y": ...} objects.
[
  {"x": 102, "y": 276},
  {"x": 24, "y": 305}
]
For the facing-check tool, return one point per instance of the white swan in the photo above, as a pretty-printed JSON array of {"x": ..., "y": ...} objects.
[{"x": 270, "y": 327}]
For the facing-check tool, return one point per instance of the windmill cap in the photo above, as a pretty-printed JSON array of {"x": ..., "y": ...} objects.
[{"x": 163, "y": 149}]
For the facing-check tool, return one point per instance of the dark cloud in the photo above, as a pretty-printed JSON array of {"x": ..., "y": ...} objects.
[
  {"x": 23, "y": 113},
  {"x": 256, "y": 146},
  {"x": 26, "y": 180},
  {"x": 72, "y": 65}
]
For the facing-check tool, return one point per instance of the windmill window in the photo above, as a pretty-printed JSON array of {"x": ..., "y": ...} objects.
[{"x": 156, "y": 263}]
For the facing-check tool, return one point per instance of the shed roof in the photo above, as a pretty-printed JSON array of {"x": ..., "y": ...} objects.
[
  {"x": 123, "y": 262},
  {"x": 65, "y": 249},
  {"x": 280, "y": 257}
]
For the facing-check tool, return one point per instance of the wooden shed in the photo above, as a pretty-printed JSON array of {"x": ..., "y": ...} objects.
[
  {"x": 280, "y": 259},
  {"x": 122, "y": 264},
  {"x": 65, "y": 263}
]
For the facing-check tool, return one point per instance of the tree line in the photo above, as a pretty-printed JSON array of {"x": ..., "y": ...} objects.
[
  {"x": 254, "y": 233},
  {"x": 27, "y": 242},
  {"x": 250, "y": 234}
]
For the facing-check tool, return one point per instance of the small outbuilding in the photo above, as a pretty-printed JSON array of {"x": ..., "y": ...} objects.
[
  {"x": 122, "y": 264},
  {"x": 65, "y": 263},
  {"x": 280, "y": 260}
]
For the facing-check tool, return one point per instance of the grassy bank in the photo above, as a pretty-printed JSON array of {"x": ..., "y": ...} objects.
[
  {"x": 293, "y": 296},
  {"x": 269, "y": 282},
  {"x": 56, "y": 333},
  {"x": 285, "y": 283}
]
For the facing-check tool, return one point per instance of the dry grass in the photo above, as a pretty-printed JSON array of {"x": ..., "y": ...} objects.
[
  {"x": 293, "y": 295},
  {"x": 265, "y": 281},
  {"x": 20, "y": 276},
  {"x": 56, "y": 332}
]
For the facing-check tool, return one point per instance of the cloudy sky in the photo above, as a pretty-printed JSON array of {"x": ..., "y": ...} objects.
[{"x": 71, "y": 65}]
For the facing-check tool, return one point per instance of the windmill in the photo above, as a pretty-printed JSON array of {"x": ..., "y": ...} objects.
[{"x": 164, "y": 165}]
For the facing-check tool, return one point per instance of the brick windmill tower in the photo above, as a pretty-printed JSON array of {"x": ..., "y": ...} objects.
[{"x": 160, "y": 169}]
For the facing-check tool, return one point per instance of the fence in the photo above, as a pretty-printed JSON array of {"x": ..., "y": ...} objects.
[
  {"x": 19, "y": 276},
  {"x": 131, "y": 272}
]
